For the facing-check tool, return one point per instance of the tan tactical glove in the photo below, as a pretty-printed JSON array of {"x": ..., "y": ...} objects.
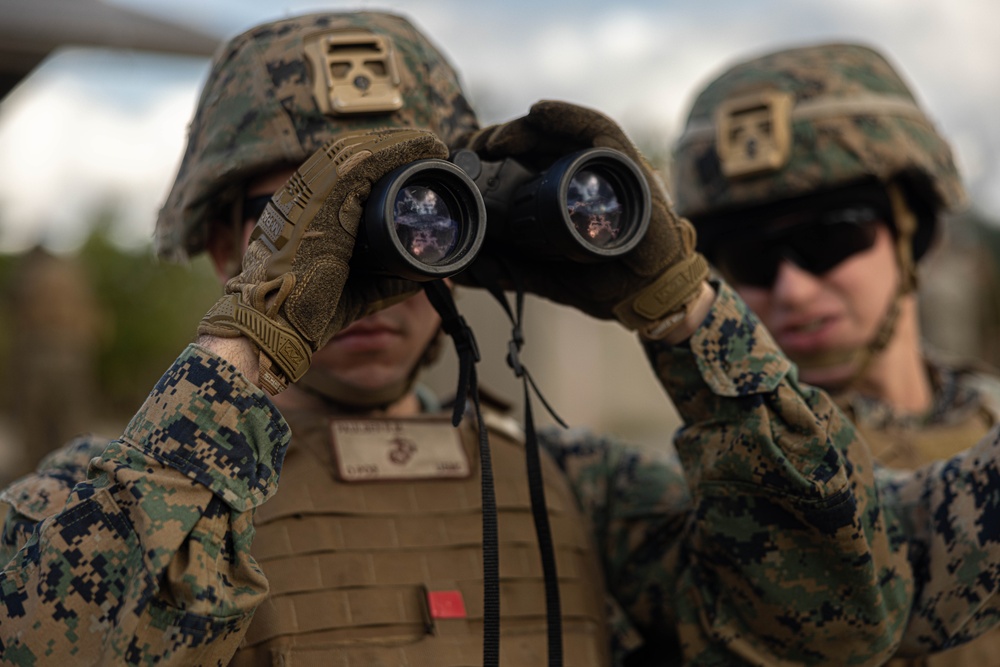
[
  {"x": 293, "y": 294},
  {"x": 648, "y": 288}
]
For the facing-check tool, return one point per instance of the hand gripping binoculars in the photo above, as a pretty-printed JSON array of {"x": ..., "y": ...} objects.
[{"x": 428, "y": 219}]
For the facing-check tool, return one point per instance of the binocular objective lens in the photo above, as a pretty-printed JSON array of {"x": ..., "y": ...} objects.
[
  {"x": 594, "y": 208},
  {"x": 424, "y": 224}
]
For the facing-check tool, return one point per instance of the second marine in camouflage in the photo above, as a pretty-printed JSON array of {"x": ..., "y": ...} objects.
[{"x": 817, "y": 183}]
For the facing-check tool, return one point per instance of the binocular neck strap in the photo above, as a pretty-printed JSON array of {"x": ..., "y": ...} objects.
[
  {"x": 453, "y": 324},
  {"x": 484, "y": 273}
]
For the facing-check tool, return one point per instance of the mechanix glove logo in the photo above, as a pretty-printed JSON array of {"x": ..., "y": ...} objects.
[
  {"x": 353, "y": 72},
  {"x": 754, "y": 132}
]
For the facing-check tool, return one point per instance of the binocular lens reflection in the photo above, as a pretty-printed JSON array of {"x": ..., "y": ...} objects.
[
  {"x": 424, "y": 224},
  {"x": 594, "y": 208}
]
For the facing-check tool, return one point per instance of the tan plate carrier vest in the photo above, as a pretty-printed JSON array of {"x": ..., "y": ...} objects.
[
  {"x": 909, "y": 449},
  {"x": 352, "y": 565}
]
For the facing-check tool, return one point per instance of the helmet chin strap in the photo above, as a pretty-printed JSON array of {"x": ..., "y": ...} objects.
[
  {"x": 349, "y": 398},
  {"x": 862, "y": 357},
  {"x": 859, "y": 357}
]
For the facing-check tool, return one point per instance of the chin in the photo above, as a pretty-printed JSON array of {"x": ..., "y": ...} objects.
[
  {"x": 830, "y": 379},
  {"x": 366, "y": 379}
]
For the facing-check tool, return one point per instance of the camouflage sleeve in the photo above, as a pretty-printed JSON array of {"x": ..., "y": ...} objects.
[
  {"x": 638, "y": 505},
  {"x": 949, "y": 512},
  {"x": 148, "y": 559},
  {"x": 786, "y": 557},
  {"x": 33, "y": 498}
]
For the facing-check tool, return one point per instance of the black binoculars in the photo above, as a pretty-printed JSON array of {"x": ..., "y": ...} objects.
[{"x": 428, "y": 219}]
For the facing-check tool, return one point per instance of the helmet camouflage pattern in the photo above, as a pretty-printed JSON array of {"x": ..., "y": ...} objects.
[
  {"x": 804, "y": 120},
  {"x": 279, "y": 91}
]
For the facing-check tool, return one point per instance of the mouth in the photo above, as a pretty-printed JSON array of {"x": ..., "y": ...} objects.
[
  {"x": 367, "y": 333},
  {"x": 807, "y": 334},
  {"x": 809, "y": 327}
]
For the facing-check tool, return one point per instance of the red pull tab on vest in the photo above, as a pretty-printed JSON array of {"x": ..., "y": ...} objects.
[{"x": 446, "y": 604}]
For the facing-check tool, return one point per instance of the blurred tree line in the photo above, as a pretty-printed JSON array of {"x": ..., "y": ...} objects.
[
  {"x": 83, "y": 338},
  {"x": 151, "y": 309}
]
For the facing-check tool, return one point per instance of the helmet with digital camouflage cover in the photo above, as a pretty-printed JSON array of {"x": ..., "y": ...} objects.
[
  {"x": 810, "y": 120},
  {"x": 279, "y": 91}
]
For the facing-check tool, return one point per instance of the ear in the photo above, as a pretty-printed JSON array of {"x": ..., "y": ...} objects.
[{"x": 222, "y": 248}]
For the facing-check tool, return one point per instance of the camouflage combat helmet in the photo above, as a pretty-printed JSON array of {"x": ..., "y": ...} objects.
[
  {"x": 279, "y": 91},
  {"x": 808, "y": 120}
]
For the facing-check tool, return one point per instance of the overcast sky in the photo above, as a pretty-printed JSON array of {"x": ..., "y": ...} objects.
[{"x": 92, "y": 127}]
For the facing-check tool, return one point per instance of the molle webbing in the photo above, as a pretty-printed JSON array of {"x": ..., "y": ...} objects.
[{"x": 350, "y": 564}]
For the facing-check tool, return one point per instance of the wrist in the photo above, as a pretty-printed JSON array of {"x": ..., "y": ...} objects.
[
  {"x": 283, "y": 356},
  {"x": 238, "y": 351}
]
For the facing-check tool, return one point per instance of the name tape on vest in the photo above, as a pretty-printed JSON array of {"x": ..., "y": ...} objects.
[{"x": 394, "y": 449}]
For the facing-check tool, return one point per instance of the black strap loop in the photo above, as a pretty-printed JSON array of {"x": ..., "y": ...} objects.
[
  {"x": 488, "y": 277},
  {"x": 468, "y": 386}
]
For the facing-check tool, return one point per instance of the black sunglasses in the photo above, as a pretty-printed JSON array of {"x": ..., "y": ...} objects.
[{"x": 817, "y": 245}]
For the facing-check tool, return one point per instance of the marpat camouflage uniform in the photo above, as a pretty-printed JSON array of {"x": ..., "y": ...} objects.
[{"x": 769, "y": 546}]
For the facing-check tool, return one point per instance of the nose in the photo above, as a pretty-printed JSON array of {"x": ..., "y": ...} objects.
[{"x": 793, "y": 286}]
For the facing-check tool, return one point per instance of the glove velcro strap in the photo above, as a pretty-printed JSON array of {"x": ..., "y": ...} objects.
[
  {"x": 279, "y": 342},
  {"x": 666, "y": 295}
]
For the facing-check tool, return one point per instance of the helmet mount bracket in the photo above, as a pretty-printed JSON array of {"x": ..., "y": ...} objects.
[
  {"x": 754, "y": 133},
  {"x": 354, "y": 71}
]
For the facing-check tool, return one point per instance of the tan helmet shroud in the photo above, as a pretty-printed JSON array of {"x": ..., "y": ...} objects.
[
  {"x": 803, "y": 120},
  {"x": 279, "y": 91}
]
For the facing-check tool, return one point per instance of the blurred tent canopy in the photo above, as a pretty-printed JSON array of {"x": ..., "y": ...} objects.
[{"x": 32, "y": 29}]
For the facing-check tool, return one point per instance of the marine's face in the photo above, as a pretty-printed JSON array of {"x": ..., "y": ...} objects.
[
  {"x": 376, "y": 351},
  {"x": 382, "y": 349},
  {"x": 841, "y": 309}
]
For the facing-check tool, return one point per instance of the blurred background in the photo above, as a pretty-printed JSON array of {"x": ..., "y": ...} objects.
[{"x": 96, "y": 97}]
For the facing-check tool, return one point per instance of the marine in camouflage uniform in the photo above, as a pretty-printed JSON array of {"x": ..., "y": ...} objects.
[
  {"x": 764, "y": 542},
  {"x": 789, "y": 140}
]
